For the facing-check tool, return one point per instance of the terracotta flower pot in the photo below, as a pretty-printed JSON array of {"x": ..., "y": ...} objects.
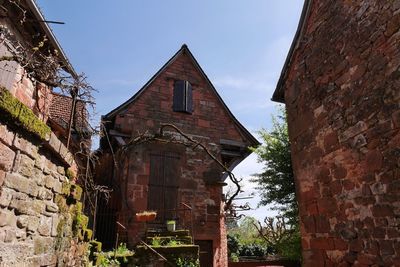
[{"x": 146, "y": 216}]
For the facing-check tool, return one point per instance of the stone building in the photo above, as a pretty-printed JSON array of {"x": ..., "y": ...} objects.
[
  {"x": 341, "y": 86},
  {"x": 39, "y": 203},
  {"x": 169, "y": 174}
]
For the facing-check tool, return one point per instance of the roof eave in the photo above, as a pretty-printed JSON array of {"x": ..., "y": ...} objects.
[
  {"x": 250, "y": 137},
  {"x": 113, "y": 112},
  {"x": 279, "y": 93},
  {"x": 49, "y": 33}
]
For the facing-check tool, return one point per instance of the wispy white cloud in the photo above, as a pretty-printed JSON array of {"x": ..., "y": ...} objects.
[{"x": 242, "y": 83}]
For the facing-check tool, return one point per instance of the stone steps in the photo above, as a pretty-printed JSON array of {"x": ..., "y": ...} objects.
[{"x": 177, "y": 233}]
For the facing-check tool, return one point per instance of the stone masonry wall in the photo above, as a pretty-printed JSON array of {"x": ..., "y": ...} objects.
[
  {"x": 343, "y": 102},
  {"x": 41, "y": 219},
  {"x": 205, "y": 200}
]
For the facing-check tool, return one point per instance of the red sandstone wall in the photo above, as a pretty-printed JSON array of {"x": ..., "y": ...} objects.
[
  {"x": 342, "y": 96},
  {"x": 154, "y": 106},
  {"x": 208, "y": 123}
]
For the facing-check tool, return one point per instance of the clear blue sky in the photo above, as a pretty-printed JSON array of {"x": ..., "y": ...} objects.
[{"x": 120, "y": 44}]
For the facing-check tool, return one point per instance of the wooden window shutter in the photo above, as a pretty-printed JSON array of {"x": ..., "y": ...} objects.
[
  {"x": 183, "y": 97},
  {"x": 179, "y": 96},
  {"x": 189, "y": 97}
]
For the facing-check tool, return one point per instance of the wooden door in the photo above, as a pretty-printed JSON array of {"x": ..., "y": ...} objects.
[
  {"x": 206, "y": 252},
  {"x": 163, "y": 185}
]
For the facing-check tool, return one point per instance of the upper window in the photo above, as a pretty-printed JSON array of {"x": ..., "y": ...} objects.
[{"x": 183, "y": 97}]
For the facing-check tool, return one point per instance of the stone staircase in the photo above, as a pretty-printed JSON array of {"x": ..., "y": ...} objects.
[{"x": 167, "y": 248}]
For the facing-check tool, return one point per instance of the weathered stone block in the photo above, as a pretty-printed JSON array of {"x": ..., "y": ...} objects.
[
  {"x": 44, "y": 260},
  {"x": 31, "y": 223},
  {"x": 26, "y": 166},
  {"x": 10, "y": 236},
  {"x": 61, "y": 170},
  {"x": 21, "y": 184},
  {"x": 6, "y": 195},
  {"x": 49, "y": 181},
  {"x": 22, "y": 221},
  {"x": 26, "y": 146},
  {"x": 2, "y": 176},
  {"x": 44, "y": 193},
  {"x": 57, "y": 186},
  {"x": 7, "y": 156},
  {"x": 45, "y": 226},
  {"x": 43, "y": 245},
  {"x": 51, "y": 207},
  {"x": 54, "y": 225},
  {"x": 29, "y": 207},
  {"x": 20, "y": 234},
  {"x": 382, "y": 211},
  {"x": 374, "y": 160},
  {"x": 40, "y": 162},
  {"x": 6, "y": 136},
  {"x": 7, "y": 218},
  {"x": 38, "y": 177},
  {"x": 358, "y": 128},
  {"x": 2, "y": 235},
  {"x": 49, "y": 168}
]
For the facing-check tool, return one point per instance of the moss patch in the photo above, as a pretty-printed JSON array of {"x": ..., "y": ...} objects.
[
  {"x": 96, "y": 245},
  {"x": 76, "y": 192},
  {"x": 20, "y": 114},
  {"x": 70, "y": 174}
]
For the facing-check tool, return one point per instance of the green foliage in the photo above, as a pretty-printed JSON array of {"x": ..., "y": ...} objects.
[
  {"x": 276, "y": 182},
  {"x": 76, "y": 192},
  {"x": 173, "y": 243},
  {"x": 244, "y": 240},
  {"x": 187, "y": 262},
  {"x": 123, "y": 251},
  {"x": 156, "y": 241},
  {"x": 290, "y": 248},
  {"x": 237, "y": 248},
  {"x": 233, "y": 246},
  {"x": 96, "y": 245},
  {"x": 104, "y": 261},
  {"x": 114, "y": 258},
  {"x": 246, "y": 232},
  {"x": 252, "y": 250},
  {"x": 273, "y": 237},
  {"x": 15, "y": 111},
  {"x": 69, "y": 173}
]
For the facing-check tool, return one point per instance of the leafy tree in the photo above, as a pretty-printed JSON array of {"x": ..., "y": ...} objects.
[
  {"x": 276, "y": 182},
  {"x": 244, "y": 240},
  {"x": 246, "y": 231},
  {"x": 282, "y": 239}
]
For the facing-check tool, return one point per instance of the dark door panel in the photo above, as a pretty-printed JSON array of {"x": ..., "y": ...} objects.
[{"x": 206, "y": 252}]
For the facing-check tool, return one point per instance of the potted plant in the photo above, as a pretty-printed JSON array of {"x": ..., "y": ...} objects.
[
  {"x": 171, "y": 225},
  {"x": 146, "y": 216}
]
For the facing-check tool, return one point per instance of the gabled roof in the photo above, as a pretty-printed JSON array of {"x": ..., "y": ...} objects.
[
  {"x": 279, "y": 93},
  {"x": 184, "y": 49}
]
